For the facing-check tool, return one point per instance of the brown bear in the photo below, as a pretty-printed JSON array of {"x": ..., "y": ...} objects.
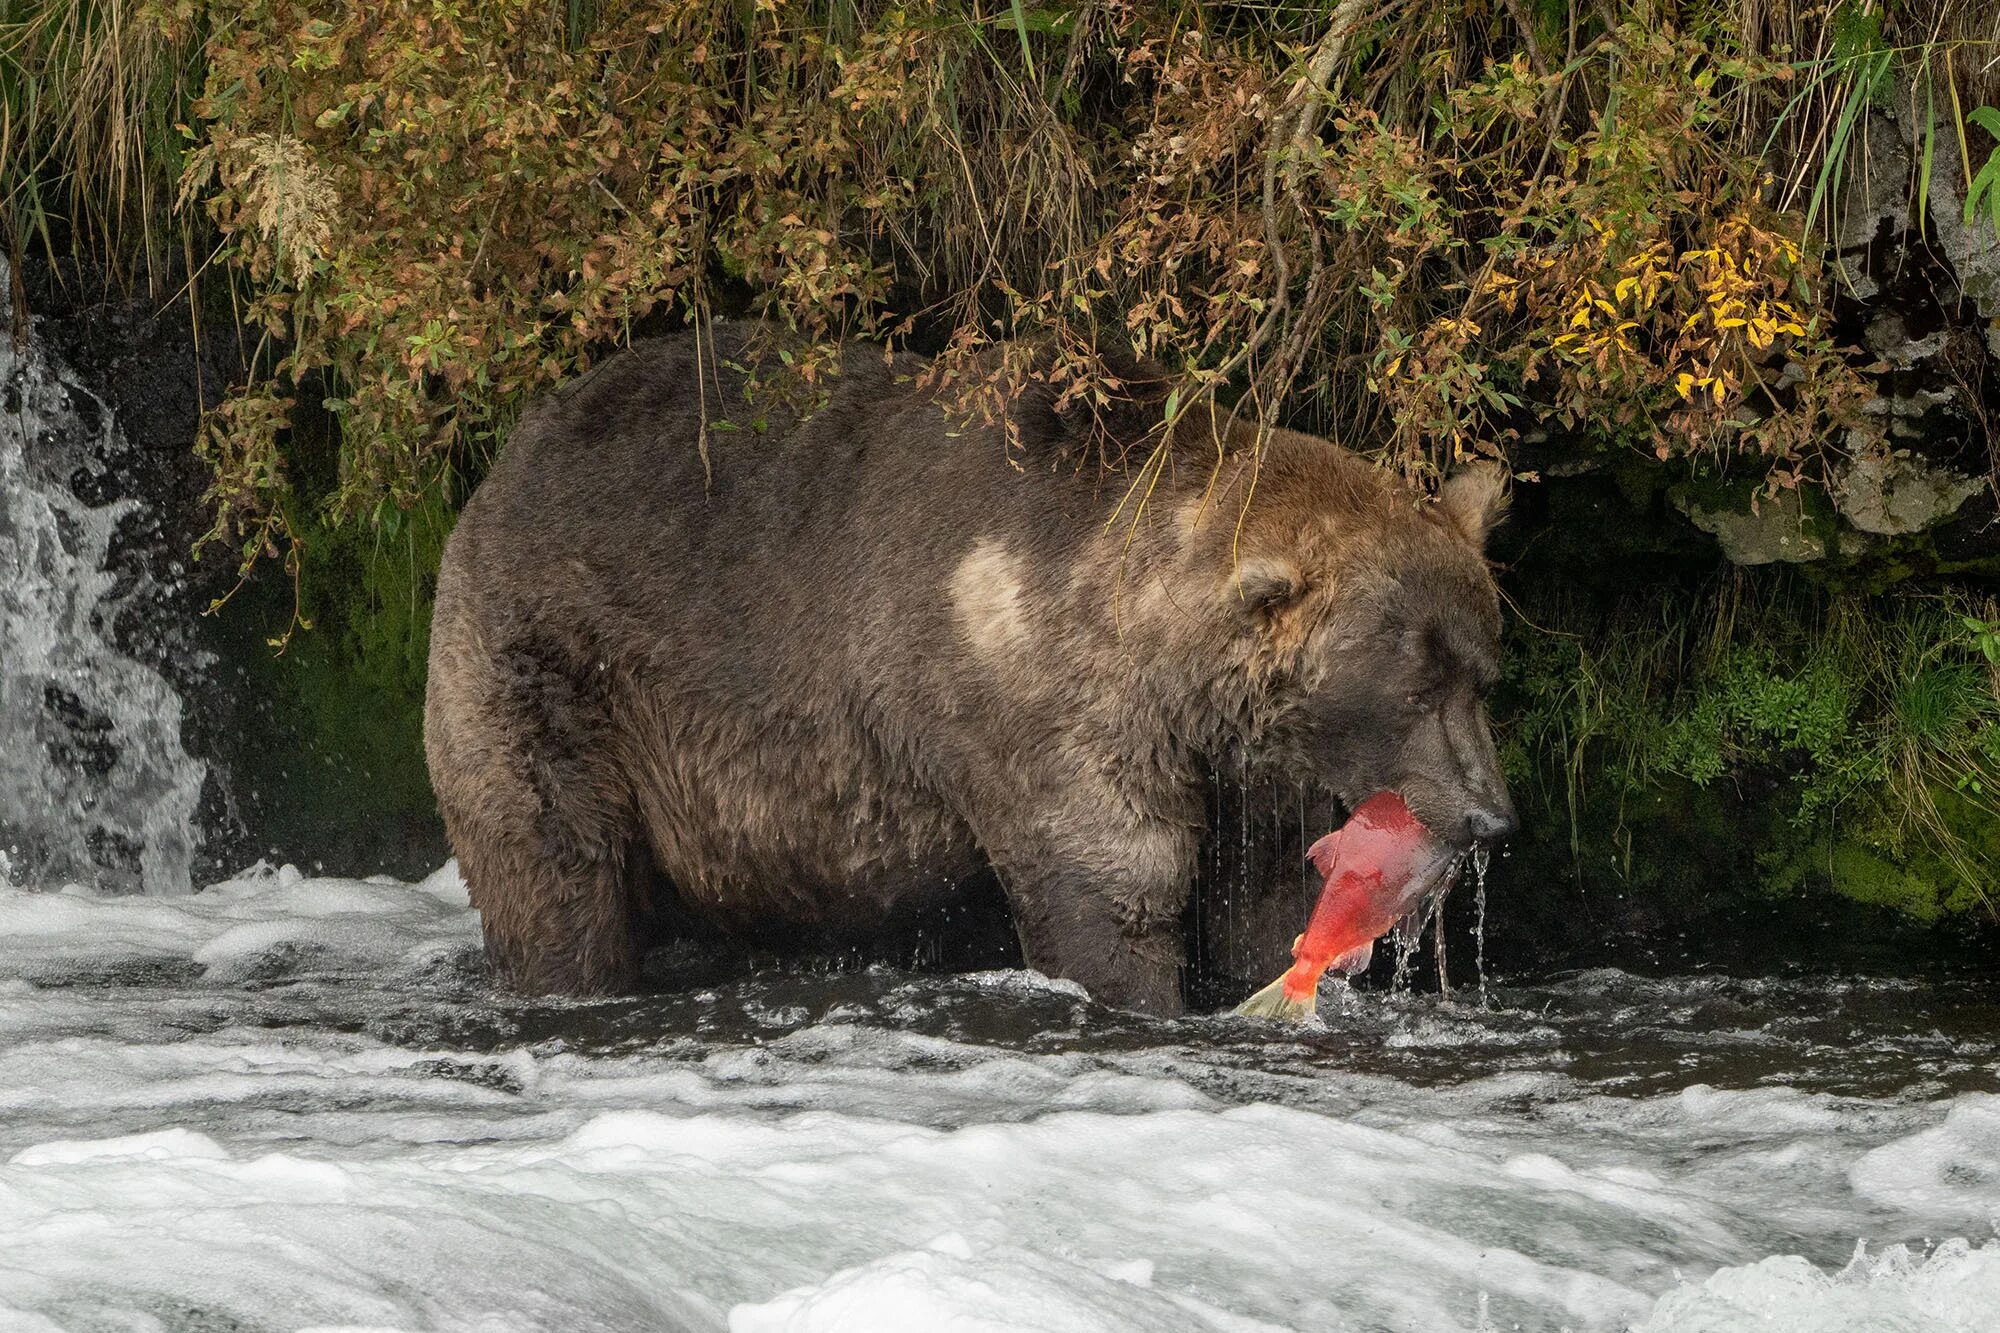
[{"x": 824, "y": 667}]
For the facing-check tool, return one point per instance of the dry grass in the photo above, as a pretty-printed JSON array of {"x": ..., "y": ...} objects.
[
  {"x": 1415, "y": 227},
  {"x": 90, "y": 97}
]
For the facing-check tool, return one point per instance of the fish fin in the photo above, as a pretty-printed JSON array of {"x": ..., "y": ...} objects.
[
  {"x": 1355, "y": 961},
  {"x": 1272, "y": 1002},
  {"x": 1325, "y": 853}
]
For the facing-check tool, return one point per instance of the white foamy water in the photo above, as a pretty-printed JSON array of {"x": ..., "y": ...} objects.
[
  {"x": 94, "y": 780},
  {"x": 288, "y": 1103}
]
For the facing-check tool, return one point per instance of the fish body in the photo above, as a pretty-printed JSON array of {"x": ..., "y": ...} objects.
[{"x": 1375, "y": 869}]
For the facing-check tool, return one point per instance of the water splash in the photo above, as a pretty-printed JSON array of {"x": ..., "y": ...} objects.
[
  {"x": 95, "y": 784},
  {"x": 1480, "y": 856},
  {"x": 1408, "y": 935}
]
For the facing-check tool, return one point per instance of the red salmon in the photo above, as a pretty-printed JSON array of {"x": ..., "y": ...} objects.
[{"x": 1377, "y": 867}]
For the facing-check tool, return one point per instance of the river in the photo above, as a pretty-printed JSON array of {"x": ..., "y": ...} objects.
[{"x": 289, "y": 1102}]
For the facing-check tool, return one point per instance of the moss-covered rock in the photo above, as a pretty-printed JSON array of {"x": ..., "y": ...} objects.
[
  {"x": 1755, "y": 527},
  {"x": 331, "y": 765}
]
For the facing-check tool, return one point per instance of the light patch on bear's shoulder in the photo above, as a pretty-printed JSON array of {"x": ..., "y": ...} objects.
[{"x": 986, "y": 597}]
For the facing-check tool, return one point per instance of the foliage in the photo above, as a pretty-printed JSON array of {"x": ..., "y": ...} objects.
[
  {"x": 1984, "y": 189},
  {"x": 1874, "y": 722},
  {"x": 1423, "y": 228}
]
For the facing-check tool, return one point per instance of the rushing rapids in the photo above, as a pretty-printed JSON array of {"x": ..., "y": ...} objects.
[{"x": 288, "y": 1101}]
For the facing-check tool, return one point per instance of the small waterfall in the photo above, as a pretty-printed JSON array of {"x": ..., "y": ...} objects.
[{"x": 95, "y": 784}]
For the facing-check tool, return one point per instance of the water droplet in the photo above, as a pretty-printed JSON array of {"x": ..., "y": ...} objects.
[{"x": 1479, "y": 860}]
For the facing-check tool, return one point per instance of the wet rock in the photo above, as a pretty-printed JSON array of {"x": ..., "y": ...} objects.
[
  {"x": 309, "y": 757},
  {"x": 1889, "y": 337},
  {"x": 1755, "y": 529},
  {"x": 1893, "y": 495},
  {"x": 1878, "y": 195}
]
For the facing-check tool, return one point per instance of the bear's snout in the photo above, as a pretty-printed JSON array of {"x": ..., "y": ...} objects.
[{"x": 1484, "y": 824}]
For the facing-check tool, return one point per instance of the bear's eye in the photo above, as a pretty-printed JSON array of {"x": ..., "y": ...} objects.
[{"x": 1422, "y": 702}]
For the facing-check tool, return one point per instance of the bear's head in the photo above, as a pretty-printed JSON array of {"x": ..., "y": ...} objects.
[{"x": 1364, "y": 625}]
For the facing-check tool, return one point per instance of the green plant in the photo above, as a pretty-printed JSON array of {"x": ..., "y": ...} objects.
[
  {"x": 1984, "y": 188},
  {"x": 91, "y": 96},
  {"x": 1878, "y": 721}
]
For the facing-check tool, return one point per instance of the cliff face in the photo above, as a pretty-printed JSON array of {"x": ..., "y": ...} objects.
[{"x": 1727, "y": 694}]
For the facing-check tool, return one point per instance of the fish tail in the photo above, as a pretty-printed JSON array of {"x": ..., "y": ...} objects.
[{"x": 1274, "y": 1002}]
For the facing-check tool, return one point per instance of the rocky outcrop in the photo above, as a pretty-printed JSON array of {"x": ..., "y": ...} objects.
[
  {"x": 1919, "y": 295},
  {"x": 1900, "y": 493},
  {"x": 1757, "y": 529}
]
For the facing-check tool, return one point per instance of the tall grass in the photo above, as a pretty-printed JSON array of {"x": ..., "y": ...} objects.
[
  {"x": 1876, "y": 721},
  {"x": 92, "y": 98}
]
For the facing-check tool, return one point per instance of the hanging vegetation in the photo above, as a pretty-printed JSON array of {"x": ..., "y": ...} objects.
[{"x": 1546, "y": 231}]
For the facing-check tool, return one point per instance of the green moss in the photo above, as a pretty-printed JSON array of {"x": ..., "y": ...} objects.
[
  {"x": 1855, "y": 872},
  {"x": 1768, "y": 737},
  {"x": 335, "y": 767},
  {"x": 361, "y": 684}
]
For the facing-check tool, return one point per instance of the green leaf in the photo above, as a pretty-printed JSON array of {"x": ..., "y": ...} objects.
[
  {"x": 1856, "y": 32},
  {"x": 1930, "y": 142},
  {"x": 1868, "y": 72},
  {"x": 1987, "y": 182},
  {"x": 1987, "y": 179},
  {"x": 1021, "y": 27}
]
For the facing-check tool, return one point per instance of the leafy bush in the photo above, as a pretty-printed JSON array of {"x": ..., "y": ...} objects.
[
  {"x": 1422, "y": 229},
  {"x": 1874, "y": 722}
]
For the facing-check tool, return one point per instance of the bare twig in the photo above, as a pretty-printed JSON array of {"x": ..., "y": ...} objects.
[{"x": 1293, "y": 129}]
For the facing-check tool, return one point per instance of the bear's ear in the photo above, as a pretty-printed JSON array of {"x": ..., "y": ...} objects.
[
  {"x": 1265, "y": 587},
  {"x": 1473, "y": 499}
]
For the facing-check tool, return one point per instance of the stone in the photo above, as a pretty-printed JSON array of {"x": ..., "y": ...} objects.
[
  {"x": 1895, "y": 494},
  {"x": 1889, "y": 338},
  {"x": 1765, "y": 530}
]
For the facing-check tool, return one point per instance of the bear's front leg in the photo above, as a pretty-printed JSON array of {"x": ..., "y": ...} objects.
[{"x": 1105, "y": 913}]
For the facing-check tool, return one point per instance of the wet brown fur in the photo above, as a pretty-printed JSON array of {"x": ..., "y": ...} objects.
[{"x": 843, "y": 665}]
